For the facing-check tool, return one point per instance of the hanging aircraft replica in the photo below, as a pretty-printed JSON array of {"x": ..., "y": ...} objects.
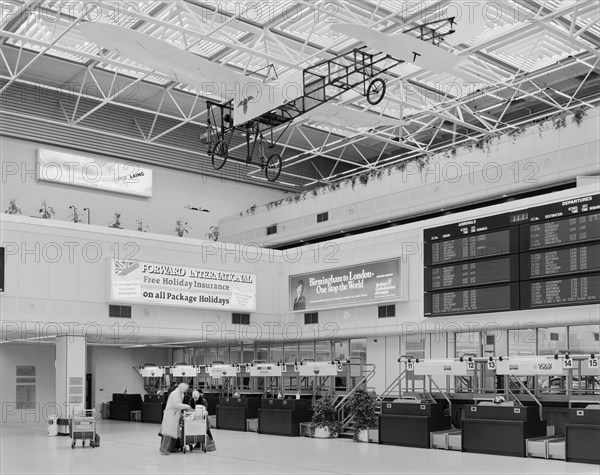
[{"x": 262, "y": 110}]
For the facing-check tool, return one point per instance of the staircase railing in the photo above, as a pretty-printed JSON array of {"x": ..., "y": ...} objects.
[
  {"x": 341, "y": 406},
  {"x": 535, "y": 399},
  {"x": 396, "y": 383}
]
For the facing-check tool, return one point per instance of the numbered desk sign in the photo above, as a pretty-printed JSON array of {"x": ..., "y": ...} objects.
[
  {"x": 410, "y": 366},
  {"x": 567, "y": 363},
  {"x": 283, "y": 368},
  {"x": 592, "y": 363},
  {"x": 238, "y": 369},
  {"x": 491, "y": 365},
  {"x": 470, "y": 365}
]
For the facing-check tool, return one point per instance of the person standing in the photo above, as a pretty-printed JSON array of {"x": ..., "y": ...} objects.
[
  {"x": 170, "y": 423},
  {"x": 300, "y": 300},
  {"x": 198, "y": 398}
]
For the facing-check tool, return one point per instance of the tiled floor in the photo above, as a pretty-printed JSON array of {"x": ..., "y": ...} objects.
[{"x": 132, "y": 448}]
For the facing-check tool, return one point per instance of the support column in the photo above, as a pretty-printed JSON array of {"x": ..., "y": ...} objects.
[{"x": 70, "y": 374}]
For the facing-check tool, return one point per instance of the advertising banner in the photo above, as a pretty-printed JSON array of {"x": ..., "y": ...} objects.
[
  {"x": 530, "y": 366},
  {"x": 158, "y": 284},
  {"x": 371, "y": 282},
  {"x": 72, "y": 169}
]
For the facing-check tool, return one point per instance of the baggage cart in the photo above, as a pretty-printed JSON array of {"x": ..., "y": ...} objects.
[
  {"x": 193, "y": 433},
  {"x": 83, "y": 428}
]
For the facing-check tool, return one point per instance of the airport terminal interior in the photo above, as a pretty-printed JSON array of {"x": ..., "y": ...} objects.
[{"x": 321, "y": 236}]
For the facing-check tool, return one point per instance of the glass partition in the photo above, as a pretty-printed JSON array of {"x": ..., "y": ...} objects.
[
  {"x": 199, "y": 358},
  {"x": 210, "y": 355},
  {"x": 584, "y": 339},
  {"x": 413, "y": 344},
  {"x": 323, "y": 350},
  {"x": 307, "y": 350},
  {"x": 358, "y": 348},
  {"x": 552, "y": 340},
  {"x": 247, "y": 353},
  {"x": 262, "y": 353},
  {"x": 235, "y": 354},
  {"x": 290, "y": 352},
  {"x": 341, "y": 349},
  {"x": 276, "y": 353},
  {"x": 522, "y": 342},
  {"x": 223, "y": 354}
]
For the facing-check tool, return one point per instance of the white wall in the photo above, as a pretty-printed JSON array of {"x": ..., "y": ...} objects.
[
  {"x": 112, "y": 369},
  {"x": 41, "y": 356},
  {"x": 172, "y": 190},
  {"x": 533, "y": 160}
]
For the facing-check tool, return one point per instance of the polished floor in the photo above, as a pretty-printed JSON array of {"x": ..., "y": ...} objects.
[{"x": 132, "y": 448}]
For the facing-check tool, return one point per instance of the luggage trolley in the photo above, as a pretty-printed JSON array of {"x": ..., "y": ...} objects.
[
  {"x": 83, "y": 427},
  {"x": 194, "y": 429}
]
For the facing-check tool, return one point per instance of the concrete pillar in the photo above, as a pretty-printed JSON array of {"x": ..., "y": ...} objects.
[{"x": 70, "y": 373}]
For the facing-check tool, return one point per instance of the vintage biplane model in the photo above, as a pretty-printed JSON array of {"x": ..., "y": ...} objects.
[{"x": 262, "y": 111}]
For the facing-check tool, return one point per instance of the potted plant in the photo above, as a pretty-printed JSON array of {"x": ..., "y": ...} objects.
[
  {"x": 213, "y": 233},
  {"x": 13, "y": 208},
  {"x": 75, "y": 216},
  {"x": 46, "y": 211},
  {"x": 182, "y": 227},
  {"x": 361, "y": 405},
  {"x": 141, "y": 226},
  {"x": 117, "y": 223},
  {"x": 324, "y": 423}
]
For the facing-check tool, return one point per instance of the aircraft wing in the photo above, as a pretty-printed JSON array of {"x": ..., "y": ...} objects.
[
  {"x": 251, "y": 97},
  {"x": 345, "y": 117},
  {"x": 403, "y": 47}
]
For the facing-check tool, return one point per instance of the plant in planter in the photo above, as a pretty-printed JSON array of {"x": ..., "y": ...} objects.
[
  {"x": 141, "y": 226},
  {"x": 46, "y": 211},
  {"x": 13, "y": 208},
  {"x": 117, "y": 223},
  {"x": 182, "y": 227},
  {"x": 213, "y": 233},
  {"x": 361, "y": 405},
  {"x": 324, "y": 419},
  {"x": 75, "y": 216}
]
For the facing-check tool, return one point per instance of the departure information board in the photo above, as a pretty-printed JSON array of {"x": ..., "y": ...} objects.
[
  {"x": 488, "y": 271},
  {"x": 562, "y": 291},
  {"x": 562, "y": 231},
  {"x": 565, "y": 260},
  {"x": 543, "y": 256},
  {"x": 473, "y": 300}
]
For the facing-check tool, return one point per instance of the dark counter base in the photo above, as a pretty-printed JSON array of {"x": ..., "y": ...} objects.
[{"x": 501, "y": 437}]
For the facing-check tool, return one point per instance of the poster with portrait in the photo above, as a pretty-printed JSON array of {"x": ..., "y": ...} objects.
[{"x": 362, "y": 283}]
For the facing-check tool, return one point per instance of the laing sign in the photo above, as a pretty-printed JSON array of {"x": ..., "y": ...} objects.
[
  {"x": 70, "y": 169},
  {"x": 157, "y": 284}
]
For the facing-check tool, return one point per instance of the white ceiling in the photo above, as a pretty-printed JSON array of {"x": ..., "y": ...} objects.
[{"x": 535, "y": 58}]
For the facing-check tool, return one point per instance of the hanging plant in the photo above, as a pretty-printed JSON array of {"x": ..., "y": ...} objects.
[
  {"x": 363, "y": 178},
  {"x": 578, "y": 115},
  {"x": 560, "y": 120},
  {"x": 13, "y": 208}
]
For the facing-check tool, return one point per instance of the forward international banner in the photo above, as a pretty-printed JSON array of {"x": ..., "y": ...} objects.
[
  {"x": 362, "y": 283},
  {"x": 158, "y": 284}
]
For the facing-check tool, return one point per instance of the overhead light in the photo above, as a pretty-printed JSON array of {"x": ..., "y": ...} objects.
[{"x": 197, "y": 208}]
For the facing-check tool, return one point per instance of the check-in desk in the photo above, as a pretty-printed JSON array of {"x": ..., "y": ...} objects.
[
  {"x": 232, "y": 412},
  {"x": 283, "y": 416},
  {"x": 500, "y": 430},
  {"x": 583, "y": 435},
  {"x": 212, "y": 400},
  {"x": 410, "y": 423},
  {"x": 153, "y": 407},
  {"x": 122, "y": 405}
]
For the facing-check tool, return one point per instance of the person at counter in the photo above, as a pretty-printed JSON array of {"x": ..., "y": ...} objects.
[
  {"x": 300, "y": 300},
  {"x": 170, "y": 423}
]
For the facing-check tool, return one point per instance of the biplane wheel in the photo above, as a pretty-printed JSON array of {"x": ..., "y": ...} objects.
[
  {"x": 273, "y": 167},
  {"x": 219, "y": 155},
  {"x": 376, "y": 91}
]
